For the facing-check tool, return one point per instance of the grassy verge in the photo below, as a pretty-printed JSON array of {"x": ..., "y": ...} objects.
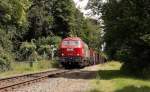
[
  {"x": 24, "y": 67},
  {"x": 110, "y": 79}
]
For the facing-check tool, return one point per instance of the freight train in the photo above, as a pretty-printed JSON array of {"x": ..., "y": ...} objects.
[{"x": 74, "y": 52}]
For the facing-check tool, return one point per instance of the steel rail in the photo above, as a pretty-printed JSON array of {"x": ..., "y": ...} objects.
[{"x": 29, "y": 81}]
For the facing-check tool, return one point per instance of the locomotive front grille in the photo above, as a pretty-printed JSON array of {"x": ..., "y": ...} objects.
[{"x": 70, "y": 59}]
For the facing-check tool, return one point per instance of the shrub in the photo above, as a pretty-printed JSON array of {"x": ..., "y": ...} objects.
[
  {"x": 56, "y": 40},
  {"x": 122, "y": 55},
  {"x": 26, "y": 50},
  {"x": 45, "y": 51},
  {"x": 43, "y": 41},
  {"x": 5, "y": 41},
  {"x": 5, "y": 60},
  {"x": 46, "y": 44}
]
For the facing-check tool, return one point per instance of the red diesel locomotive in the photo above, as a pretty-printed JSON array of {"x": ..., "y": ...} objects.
[{"x": 74, "y": 52}]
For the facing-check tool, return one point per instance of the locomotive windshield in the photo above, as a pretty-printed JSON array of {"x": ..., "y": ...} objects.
[{"x": 71, "y": 43}]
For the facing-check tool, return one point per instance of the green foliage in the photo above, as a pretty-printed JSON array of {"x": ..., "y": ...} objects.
[
  {"x": 44, "y": 41},
  {"x": 122, "y": 55},
  {"x": 26, "y": 50},
  {"x": 44, "y": 45},
  {"x": 40, "y": 19},
  {"x": 91, "y": 33},
  {"x": 110, "y": 79},
  {"x": 5, "y": 60},
  {"x": 5, "y": 41},
  {"x": 30, "y": 29},
  {"x": 55, "y": 40},
  {"x": 14, "y": 11},
  {"x": 24, "y": 67},
  {"x": 126, "y": 26},
  {"x": 5, "y": 48},
  {"x": 13, "y": 20},
  {"x": 146, "y": 38},
  {"x": 28, "y": 46},
  {"x": 44, "y": 64},
  {"x": 64, "y": 18},
  {"x": 33, "y": 57},
  {"x": 44, "y": 51}
]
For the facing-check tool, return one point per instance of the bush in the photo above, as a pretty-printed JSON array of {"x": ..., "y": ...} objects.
[
  {"x": 34, "y": 56},
  {"x": 5, "y": 60},
  {"x": 26, "y": 50},
  {"x": 135, "y": 69},
  {"x": 55, "y": 40},
  {"x": 43, "y": 41},
  {"x": 44, "y": 51},
  {"x": 46, "y": 44},
  {"x": 146, "y": 72},
  {"x": 5, "y": 41},
  {"x": 122, "y": 55},
  {"x": 5, "y": 50},
  {"x": 3, "y": 65},
  {"x": 138, "y": 64}
]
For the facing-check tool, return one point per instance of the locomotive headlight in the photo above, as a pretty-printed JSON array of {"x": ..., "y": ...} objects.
[
  {"x": 62, "y": 54},
  {"x": 78, "y": 54}
]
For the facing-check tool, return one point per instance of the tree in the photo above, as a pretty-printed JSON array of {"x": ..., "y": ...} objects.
[
  {"x": 40, "y": 19},
  {"x": 13, "y": 18},
  {"x": 91, "y": 33},
  {"x": 126, "y": 26},
  {"x": 63, "y": 12}
]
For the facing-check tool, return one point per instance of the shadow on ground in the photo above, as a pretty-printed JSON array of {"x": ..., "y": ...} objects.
[
  {"x": 134, "y": 89},
  {"x": 79, "y": 75},
  {"x": 111, "y": 74},
  {"x": 129, "y": 89},
  {"x": 102, "y": 74}
]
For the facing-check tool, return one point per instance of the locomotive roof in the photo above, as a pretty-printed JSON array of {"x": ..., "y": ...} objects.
[{"x": 72, "y": 38}]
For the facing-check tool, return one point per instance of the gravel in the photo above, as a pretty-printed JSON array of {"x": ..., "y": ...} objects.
[
  {"x": 77, "y": 81},
  {"x": 57, "y": 85}
]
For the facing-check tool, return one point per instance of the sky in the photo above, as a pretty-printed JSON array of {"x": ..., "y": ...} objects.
[{"x": 81, "y": 5}]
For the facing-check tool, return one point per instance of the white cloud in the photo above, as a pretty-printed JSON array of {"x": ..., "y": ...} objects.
[{"x": 81, "y": 5}]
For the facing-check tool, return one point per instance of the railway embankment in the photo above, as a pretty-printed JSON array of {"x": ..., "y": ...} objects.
[
  {"x": 77, "y": 80},
  {"x": 99, "y": 78}
]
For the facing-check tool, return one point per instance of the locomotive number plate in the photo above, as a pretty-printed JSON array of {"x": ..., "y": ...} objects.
[{"x": 69, "y": 49}]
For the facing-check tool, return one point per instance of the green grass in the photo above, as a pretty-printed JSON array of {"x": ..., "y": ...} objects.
[
  {"x": 110, "y": 79},
  {"x": 24, "y": 67}
]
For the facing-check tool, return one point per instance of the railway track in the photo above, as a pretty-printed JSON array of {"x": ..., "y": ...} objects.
[{"x": 8, "y": 84}]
